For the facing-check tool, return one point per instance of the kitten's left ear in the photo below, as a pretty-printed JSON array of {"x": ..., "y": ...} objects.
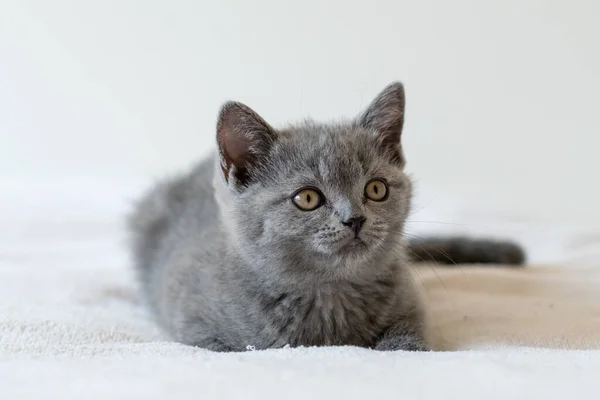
[{"x": 385, "y": 115}]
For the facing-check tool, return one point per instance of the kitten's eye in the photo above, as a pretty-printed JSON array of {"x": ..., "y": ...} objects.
[
  {"x": 376, "y": 190},
  {"x": 308, "y": 199}
]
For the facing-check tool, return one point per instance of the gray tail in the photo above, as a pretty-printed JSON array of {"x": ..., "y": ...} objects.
[{"x": 463, "y": 250}]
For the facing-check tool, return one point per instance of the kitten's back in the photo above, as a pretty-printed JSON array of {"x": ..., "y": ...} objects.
[{"x": 164, "y": 206}]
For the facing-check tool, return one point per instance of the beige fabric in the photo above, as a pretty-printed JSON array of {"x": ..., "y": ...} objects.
[{"x": 473, "y": 307}]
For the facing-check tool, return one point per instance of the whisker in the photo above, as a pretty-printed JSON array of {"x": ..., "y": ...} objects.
[
  {"x": 415, "y": 275},
  {"x": 439, "y": 222},
  {"x": 416, "y": 271},
  {"x": 420, "y": 209},
  {"x": 441, "y": 251},
  {"x": 423, "y": 260}
]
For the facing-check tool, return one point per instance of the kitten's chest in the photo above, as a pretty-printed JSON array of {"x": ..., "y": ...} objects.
[{"x": 341, "y": 314}]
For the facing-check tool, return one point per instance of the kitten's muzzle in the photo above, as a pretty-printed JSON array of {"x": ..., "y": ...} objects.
[{"x": 355, "y": 223}]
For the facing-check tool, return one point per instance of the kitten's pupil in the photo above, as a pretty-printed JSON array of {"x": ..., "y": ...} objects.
[
  {"x": 307, "y": 199},
  {"x": 376, "y": 190}
]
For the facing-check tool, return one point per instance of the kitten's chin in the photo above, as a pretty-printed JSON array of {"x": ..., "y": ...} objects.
[
  {"x": 350, "y": 247},
  {"x": 355, "y": 244},
  {"x": 355, "y": 247}
]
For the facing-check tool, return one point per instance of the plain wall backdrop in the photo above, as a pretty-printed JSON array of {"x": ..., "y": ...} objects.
[{"x": 502, "y": 96}]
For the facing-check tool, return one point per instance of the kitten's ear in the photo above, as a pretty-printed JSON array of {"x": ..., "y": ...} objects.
[
  {"x": 385, "y": 115},
  {"x": 243, "y": 138}
]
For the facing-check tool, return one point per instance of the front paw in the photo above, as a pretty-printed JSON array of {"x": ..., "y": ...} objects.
[{"x": 402, "y": 342}]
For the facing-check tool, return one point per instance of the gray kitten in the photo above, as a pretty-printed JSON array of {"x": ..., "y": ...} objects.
[{"x": 290, "y": 237}]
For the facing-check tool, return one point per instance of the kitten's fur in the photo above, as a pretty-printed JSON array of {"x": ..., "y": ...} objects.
[{"x": 227, "y": 261}]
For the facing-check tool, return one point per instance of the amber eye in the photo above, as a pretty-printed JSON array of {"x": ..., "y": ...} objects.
[
  {"x": 308, "y": 199},
  {"x": 376, "y": 190}
]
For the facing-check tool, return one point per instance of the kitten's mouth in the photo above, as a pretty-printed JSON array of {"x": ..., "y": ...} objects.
[{"x": 355, "y": 244}]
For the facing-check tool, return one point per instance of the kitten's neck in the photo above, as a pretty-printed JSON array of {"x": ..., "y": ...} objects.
[{"x": 283, "y": 273}]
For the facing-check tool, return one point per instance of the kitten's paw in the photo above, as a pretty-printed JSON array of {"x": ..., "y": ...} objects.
[
  {"x": 402, "y": 342},
  {"x": 212, "y": 345}
]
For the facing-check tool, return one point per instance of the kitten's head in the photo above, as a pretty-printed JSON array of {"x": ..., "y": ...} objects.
[{"x": 315, "y": 198}]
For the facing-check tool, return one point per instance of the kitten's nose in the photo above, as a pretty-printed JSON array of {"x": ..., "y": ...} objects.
[{"x": 355, "y": 223}]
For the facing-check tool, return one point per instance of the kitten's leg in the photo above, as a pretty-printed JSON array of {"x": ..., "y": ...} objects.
[
  {"x": 192, "y": 332},
  {"x": 212, "y": 344},
  {"x": 407, "y": 334}
]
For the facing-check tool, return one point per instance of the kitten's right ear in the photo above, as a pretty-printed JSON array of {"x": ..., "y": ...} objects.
[{"x": 243, "y": 138}]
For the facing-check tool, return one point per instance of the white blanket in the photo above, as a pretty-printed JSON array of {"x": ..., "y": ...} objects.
[{"x": 71, "y": 325}]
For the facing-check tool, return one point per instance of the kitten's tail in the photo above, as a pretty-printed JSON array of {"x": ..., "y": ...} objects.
[{"x": 463, "y": 250}]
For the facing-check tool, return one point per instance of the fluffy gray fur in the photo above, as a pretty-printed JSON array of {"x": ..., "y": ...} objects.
[{"x": 226, "y": 260}]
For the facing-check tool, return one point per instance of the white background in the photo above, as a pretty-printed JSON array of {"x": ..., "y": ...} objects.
[{"x": 502, "y": 95}]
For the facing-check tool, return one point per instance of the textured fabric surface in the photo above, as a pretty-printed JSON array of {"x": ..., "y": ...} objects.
[{"x": 71, "y": 325}]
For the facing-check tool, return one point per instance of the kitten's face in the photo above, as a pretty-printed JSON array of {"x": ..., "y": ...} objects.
[
  {"x": 325, "y": 197},
  {"x": 326, "y": 191}
]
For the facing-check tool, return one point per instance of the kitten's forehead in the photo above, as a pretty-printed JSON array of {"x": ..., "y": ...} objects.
[{"x": 333, "y": 154}]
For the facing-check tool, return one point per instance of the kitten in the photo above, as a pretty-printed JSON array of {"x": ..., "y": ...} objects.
[{"x": 288, "y": 237}]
